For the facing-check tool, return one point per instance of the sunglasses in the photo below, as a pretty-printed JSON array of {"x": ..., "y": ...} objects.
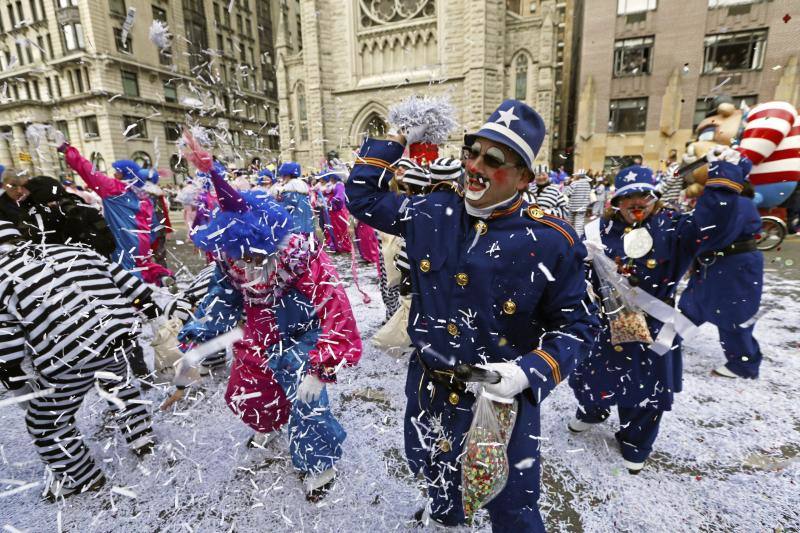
[{"x": 493, "y": 157}]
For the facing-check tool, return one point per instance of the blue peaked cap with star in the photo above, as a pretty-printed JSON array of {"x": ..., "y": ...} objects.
[
  {"x": 632, "y": 180},
  {"x": 516, "y": 125}
]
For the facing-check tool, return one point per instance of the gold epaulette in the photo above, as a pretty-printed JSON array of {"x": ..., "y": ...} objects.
[{"x": 537, "y": 213}]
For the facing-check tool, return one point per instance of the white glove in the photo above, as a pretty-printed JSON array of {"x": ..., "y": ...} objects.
[
  {"x": 25, "y": 389},
  {"x": 723, "y": 153},
  {"x": 309, "y": 389},
  {"x": 513, "y": 379}
]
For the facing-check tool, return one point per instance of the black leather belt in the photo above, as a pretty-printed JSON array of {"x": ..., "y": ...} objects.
[{"x": 739, "y": 247}]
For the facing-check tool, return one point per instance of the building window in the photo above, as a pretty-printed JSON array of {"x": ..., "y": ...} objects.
[
  {"x": 633, "y": 57},
  {"x": 159, "y": 14},
  {"x": 724, "y": 3},
  {"x": 703, "y": 104},
  {"x": 99, "y": 163},
  {"x": 626, "y": 7},
  {"x": 90, "y": 128},
  {"x": 521, "y": 78},
  {"x": 134, "y": 127},
  {"x": 78, "y": 85},
  {"x": 61, "y": 125},
  {"x": 170, "y": 93},
  {"x": 627, "y": 115},
  {"x": 299, "y": 33},
  {"x": 142, "y": 159},
  {"x": 117, "y": 7},
  {"x": 73, "y": 36},
  {"x": 11, "y": 18},
  {"x": 172, "y": 131},
  {"x": 124, "y": 47},
  {"x": 301, "y": 113},
  {"x": 130, "y": 83},
  {"x": 742, "y": 50}
]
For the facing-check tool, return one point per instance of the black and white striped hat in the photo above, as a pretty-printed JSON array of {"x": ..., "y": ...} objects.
[
  {"x": 406, "y": 163},
  {"x": 8, "y": 231},
  {"x": 415, "y": 175},
  {"x": 446, "y": 169}
]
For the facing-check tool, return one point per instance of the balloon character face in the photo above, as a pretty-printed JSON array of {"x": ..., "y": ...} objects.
[{"x": 719, "y": 128}]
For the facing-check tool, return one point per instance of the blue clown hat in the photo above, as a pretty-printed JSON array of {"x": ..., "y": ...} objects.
[
  {"x": 290, "y": 168},
  {"x": 516, "y": 125},
  {"x": 265, "y": 173},
  {"x": 632, "y": 180},
  {"x": 130, "y": 171}
]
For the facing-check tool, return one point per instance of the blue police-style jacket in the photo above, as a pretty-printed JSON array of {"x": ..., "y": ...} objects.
[
  {"x": 630, "y": 374},
  {"x": 725, "y": 290},
  {"x": 509, "y": 288}
]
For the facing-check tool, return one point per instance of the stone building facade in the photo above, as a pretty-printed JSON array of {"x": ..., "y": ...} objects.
[
  {"x": 64, "y": 63},
  {"x": 649, "y": 68},
  {"x": 341, "y": 64}
]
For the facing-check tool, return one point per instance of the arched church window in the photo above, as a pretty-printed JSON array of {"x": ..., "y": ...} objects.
[
  {"x": 380, "y": 12},
  {"x": 376, "y": 127},
  {"x": 302, "y": 116},
  {"x": 142, "y": 159},
  {"x": 521, "y": 78},
  {"x": 99, "y": 163}
]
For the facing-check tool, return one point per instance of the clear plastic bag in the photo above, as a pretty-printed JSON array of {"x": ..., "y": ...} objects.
[
  {"x": 626, "y": 321},
  {"x": 484, "y": 467}
]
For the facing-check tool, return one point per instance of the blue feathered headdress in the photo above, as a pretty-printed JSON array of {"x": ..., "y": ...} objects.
[
  {"x": 290, "y": 168},
  {"x": 246, "y": 223}
]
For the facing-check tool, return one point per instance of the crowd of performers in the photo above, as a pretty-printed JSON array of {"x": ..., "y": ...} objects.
[{"x": 477, "y": 264}]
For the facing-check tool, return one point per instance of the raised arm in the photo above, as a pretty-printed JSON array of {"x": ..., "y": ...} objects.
[
  {"x": 714, "y": 222},
  {"x": 368, "y": 194},
  {"x": 97, "y": 181}
]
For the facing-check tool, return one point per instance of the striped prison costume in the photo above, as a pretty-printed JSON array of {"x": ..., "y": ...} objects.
[
  {"x": 549, "y": 198},
  {"x": 389, "y": 295},
  {"x": 73, "y": 312},
  {"x": 402, "y": 264},
  {"x": 182, "y": 304},
  {"x": 579, "y": 192}
]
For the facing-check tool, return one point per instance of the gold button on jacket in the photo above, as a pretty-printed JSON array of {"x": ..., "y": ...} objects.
[
  {"x": 425, "y": 265},
  {"x": 481, "y": 227},
  {"x": 452, "y": 329},
  {"x": 453, "y": 398},
  {"x": 462, "y": 279},
  {"x": 509, "y": 307}
]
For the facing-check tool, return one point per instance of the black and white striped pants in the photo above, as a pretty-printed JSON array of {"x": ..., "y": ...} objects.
[
  {"x": 389, "y": 295},
  {"x": 51, "y": 418}
]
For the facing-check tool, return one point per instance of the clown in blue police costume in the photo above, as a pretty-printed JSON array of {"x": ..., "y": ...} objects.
[
  {"x": 649, "y": 249},
  {"x": 294, "y": 197},
  {"x": 497, "y": 283},
  {"x": 725, "y": 290}
]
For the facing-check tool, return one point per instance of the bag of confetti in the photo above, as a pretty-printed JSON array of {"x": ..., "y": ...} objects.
[
  {"x": 626, "y": 321},
  {"x": 484, "y": 466}
]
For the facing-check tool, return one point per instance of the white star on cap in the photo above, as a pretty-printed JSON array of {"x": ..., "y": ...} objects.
[
  {"x": 507, "y": 116},
  {"x": 630, "y": 176}
]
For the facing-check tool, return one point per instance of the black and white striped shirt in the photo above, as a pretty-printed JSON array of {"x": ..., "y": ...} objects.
[
  {"x": 402, "y": 264},
  {"x": 579, "y": 192},
  {"x": 63, "y": 305},
  {"x": 550, "y": 199}
]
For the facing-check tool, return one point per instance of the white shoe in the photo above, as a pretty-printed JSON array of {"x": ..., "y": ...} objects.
[
  {"x": 317, "y": 485},
  {"x": 578, "y": 426},
  {"x": 261, "y": 440},
  {"x": 633, "y": 468},
  {"x": 724, "y": 372}
]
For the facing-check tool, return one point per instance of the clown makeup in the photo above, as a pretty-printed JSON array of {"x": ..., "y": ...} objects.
[
  {"x": 635, "y": 208},
  {"x": 493, "y": 173}
]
